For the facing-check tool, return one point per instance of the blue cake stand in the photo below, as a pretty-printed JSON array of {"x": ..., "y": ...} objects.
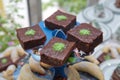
[
  {"x": 56, "y": 71},
  {"x": 50, "y": 34}
]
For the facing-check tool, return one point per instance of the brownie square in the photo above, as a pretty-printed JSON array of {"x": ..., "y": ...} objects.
[
  {"x": 116, "y": 73},
  {"x": 4, "y": 63},
  {"x": 86, "y": 37},
  {"x": 60, "y": 20},
  {"x": 52, "y": 53},
  {"x": 30, "y": 37}
]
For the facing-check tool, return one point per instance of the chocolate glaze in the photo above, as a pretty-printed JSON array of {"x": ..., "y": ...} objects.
[
  {"x": 86, "y": 43},
  {"x": 52, "y": 23},
  {"x": 56, "y": 58},
  {"x": 28, "y": 42}
]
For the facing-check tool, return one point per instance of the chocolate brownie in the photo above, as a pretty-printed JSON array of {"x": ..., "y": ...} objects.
[
  {"x": 116, "y": 73},
  {"x": 57, "y": 51},
  {"x": 86, "y": 37},
  {"x": 60, "y": 20},
  {"x": 4, "y": 63},
  {"x": 30, "y": 37},
  {"x": 117, "y": 3},
  {"x": 104, "y": 57}
]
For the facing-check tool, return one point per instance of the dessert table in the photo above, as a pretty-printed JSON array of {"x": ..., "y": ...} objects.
[{"x": 113, "y": 24}]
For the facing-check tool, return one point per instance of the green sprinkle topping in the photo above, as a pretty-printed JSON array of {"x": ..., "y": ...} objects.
[
  {"x": 30, "y": 32},
  {"x": 71, "y": 59},
  {"x": 84, "y": 32},
  {"x": 4, "y": 61},
  {"x": 61, "y": 17},
  {"x": 58, "y": 46},
  {"x": 107, "y": 57}
]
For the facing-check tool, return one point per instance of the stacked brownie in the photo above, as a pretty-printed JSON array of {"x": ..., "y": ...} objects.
[
  {"x": 61, "y": 20},
  {"x": 30, "y": 37},
  {"x": 57, "y": 51},
  {"x": 86, "y": 37}
]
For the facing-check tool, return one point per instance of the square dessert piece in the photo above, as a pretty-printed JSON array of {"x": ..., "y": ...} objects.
[
  {"x": 60, "y": 20},
  {"x": 4, "y": 63},
  {"x": 86, "y": 37},
  {"x": 30, "y": 37},
  {"x": 57, "y": 51}
]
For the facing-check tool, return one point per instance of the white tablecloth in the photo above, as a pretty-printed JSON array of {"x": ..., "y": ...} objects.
[{"x": 112, "y": 24}]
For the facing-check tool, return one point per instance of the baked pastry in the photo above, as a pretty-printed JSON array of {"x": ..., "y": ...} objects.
[
  {"x": 86, "y": 37},
  {"x": 116, "y": 73},
  {"x": 30, "y": 37},
  {"x": 60, "y": 20},
  {"x": 56, "y": 52},
  {"x": 90, "y": 68},
  {"x": 26, "y": 74},
  {"x": 8, "y": 74},
  {"x": 35, "y": 66}
]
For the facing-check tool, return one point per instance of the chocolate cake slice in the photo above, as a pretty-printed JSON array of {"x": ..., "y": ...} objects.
[
  {"x": 57, "y": 51},
  {"x": 30, "y": 37},
  {"x": 60, "y": 20},
  {"x": 4, "y": 63},
  {"x": 116, "y": 73},
  {"x": 86, "y": 37}
]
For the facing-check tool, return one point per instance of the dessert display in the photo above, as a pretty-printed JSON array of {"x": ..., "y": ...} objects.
[
  {"x": 116, "y": 73},
  {"x": 85, "y": 36},
  {"x": 30, "y": 37},
  {"x": 61, "y": 20},
  {"x": 117, "y": 3},
  {"x": 56, "y": 51}
]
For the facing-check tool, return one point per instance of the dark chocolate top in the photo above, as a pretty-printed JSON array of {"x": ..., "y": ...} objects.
[
  {"x": 88, "y": 33},
  {"x": 64, "y": 23},
  {"x": 61, "y": 55},
  {"x": 38, "y": 33}
]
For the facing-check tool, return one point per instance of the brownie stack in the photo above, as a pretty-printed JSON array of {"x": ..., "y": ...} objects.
[
  {"x": 86, "y": 37},
  {"x": 31, "y": 37},
  {"x": 60, "y": 20},
  {"x": 56, "y": 57}
]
